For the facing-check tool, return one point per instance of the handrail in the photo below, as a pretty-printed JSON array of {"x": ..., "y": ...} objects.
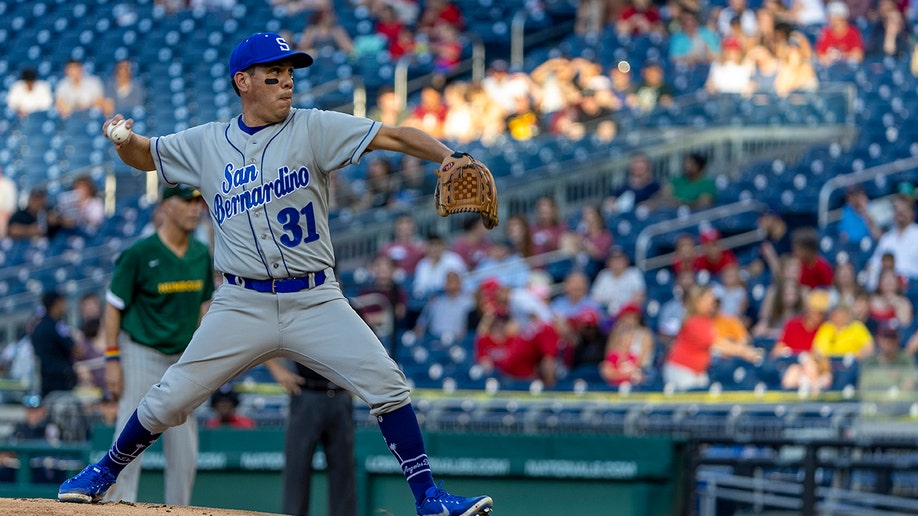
[
  {"x": 475, "y": 64},
  {"x": 642, "y": 243},
  {"x": 825, "y": 215},
  {"x": 518, "y": 39}
]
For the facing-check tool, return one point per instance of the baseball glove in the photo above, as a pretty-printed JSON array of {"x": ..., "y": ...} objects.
[{"x": 465, "y": 185}]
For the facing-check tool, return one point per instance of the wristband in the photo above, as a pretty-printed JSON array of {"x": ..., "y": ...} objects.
[{"x": 112, "y": 354}]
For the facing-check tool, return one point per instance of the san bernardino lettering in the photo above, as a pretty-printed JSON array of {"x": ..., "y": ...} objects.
[{"x": 287, "y": 182}]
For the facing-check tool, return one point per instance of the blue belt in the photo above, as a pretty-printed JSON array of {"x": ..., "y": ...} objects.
[{"x": 278, "y": 286}]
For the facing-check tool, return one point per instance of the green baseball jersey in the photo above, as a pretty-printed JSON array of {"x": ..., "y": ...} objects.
[{"x": 160, "y": 294}]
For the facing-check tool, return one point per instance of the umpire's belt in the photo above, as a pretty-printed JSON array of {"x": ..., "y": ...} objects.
[{"x": 282, "y": 286}]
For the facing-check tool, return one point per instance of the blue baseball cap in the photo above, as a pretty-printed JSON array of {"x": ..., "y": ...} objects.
[{"x": 265, "y": 47}]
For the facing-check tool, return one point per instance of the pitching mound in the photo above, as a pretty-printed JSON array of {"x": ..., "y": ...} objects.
[{"x": 45, "y": 507}]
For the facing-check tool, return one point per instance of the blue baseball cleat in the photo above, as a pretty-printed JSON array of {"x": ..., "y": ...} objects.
[
  {"x": 438, "y": 502},
  {"x": 87, "y": 486}
]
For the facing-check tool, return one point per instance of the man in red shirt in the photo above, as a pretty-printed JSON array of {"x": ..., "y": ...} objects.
[
  {"x": 799, "y": 331},
  {"x": 839, "y": 40},
  {"x": 713, "y": 257},
  {"x": 815, "y": 271}
]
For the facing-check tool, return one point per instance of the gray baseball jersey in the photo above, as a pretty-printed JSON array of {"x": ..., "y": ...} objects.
[{"x": 267, "y": 192}]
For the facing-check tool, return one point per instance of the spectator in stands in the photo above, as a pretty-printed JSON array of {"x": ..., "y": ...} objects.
[
  {"x": 619, "y": 284},
  {"x": 430, "y": 113},
  {"x": 890, "y": 367},
  {"x": 406, "y": 10},
  {"x": 783, "y": 301},
  {"x": 81, "y": 209},
  {"x": 9, "y": 201},
  {"x": 856, "y": 223},
  {"x": 845, "y": 287},
  {"x": 713, "y": 258},
  {"x": 575, "y": 298},
  {"x": 389, "y": 25},
  {"x": 586, "y": 348},
  {"x": 839, "y": 41},
  {"x": 225, "y": 403},
  {"x": 843, "y": 335},
  {"x": 692, "y": 188},
  {"x": 764, "y": 69},
  {"x": 815, "y": 270},
  {"x": 501, "y": 262},
  {"x": 889, "y": 36},
  {"x": 803, "y": 13},
  {"x": 53, "y": 345},
  {"x": 501, "y": 346},
  {"x": 774, "y": 246},
  {"x": 639, "y": 188},
  {"x": 406, "y": 248},
  {"x": 547, "y": 227},
  {"x": 811, "y": 374},
  {"x": 888, "y": 305},
  {"x": 472, "y": 244},
  {"x": 489, "y": 116},
  {"x": 639, "y": 18},
  {"x": 414, "y": 182},
  {"x": 78, "y": 90},
  {"x": 737, "y": 11},
  {"x": 686, "y": 366},
  {"x": 731, "y": 72},
  {"x": 654, "y": 90},
  {"x": 523, "y": 122},
  {"x": 685, "y": 253},
  {"x": 383, "y": 282},
  {"x": 446, "y": 48},
  {"x": 799, "y": 331},
  {"x": 694, "y": 44},
  {"x": 437, "y": 13},
  {"x": 519, "y": 234},
  {"x": 438, "y": 261},
  {"x": 593, "y": 15},
  {"x": 591, "y": 241},
  {"x": 37, "y": 427},
  {"x": 389, "y": 108},
  {"x": 381, "y": 185},
  {"x": 503, "y": 87},
  {"x": 35, "y": 220},
  {"x": 291, "y": 7},
  {"x": 446, "y": 315},
  {"x": 732, "y": 291},
  {"x": 123, "y": 92},
  {"x": 622, "y": 86},
  {"x": 672, "y": 311},
  {"x": 553, "y": 86},
  {"x": 324, "y": 31},
  {"x": 795, "y": 70},
  {"x": 29, "y": 94},
  {"x": 459, "y": 125},
  {"x": 901, "y": 241},
  {"x": 629, "y": 349}
]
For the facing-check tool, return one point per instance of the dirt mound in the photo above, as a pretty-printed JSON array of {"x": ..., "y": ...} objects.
[{"x": 45, "y": 507}]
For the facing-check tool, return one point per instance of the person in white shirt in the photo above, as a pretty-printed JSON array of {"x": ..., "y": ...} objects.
[
  {"x": 619, "y": 283},
  {"x": 430, "y": 273},
  {"x": 447, "y": 314},
  {"x": 8, "y": 202},
  {"x": 29, "y": 94},
  {"x": 78, "y": 90},
  {"x": 901, "y": 241}
]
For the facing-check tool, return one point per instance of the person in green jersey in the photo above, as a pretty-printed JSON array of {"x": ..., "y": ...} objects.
[
  {"x": 693, "y": 188},
  {"x": 158, "y": 293}
]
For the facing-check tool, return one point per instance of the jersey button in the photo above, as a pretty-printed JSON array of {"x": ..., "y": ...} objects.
[
  {"x": 264, "y": 236},
  {"x": 275, "y": 266}
]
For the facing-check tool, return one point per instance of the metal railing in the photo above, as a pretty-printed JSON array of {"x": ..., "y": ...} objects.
[
  {"x": 476, "y": 64},
  {"x": 827, "y": 215},
  {"x": 646, "y": 236}
]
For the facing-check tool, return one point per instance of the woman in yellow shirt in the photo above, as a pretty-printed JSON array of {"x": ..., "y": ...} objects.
[{"x": 843, "y": 335}]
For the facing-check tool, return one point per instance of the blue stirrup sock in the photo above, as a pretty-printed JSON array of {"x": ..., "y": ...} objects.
[
  {"x": 131, "y": 442},
  {"x": 402, "y": 433}
]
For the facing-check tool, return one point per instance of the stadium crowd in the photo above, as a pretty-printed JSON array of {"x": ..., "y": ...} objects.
[{"x": 497, "y": 292}]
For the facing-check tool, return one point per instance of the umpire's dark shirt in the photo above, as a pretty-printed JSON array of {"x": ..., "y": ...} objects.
[{"x": 54, "y": 350}]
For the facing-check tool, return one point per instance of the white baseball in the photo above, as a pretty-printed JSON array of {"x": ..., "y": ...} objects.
[{"x": 118, "y": 133}]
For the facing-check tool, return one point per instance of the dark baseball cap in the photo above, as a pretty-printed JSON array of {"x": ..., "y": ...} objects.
[
  {"x": 262, "y": 48},
  {"x": 184, "y": 191}
]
